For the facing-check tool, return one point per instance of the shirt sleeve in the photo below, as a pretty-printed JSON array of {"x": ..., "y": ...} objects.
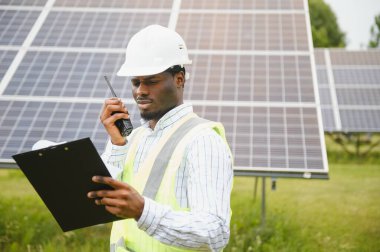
[
  {"x": 206, "y": 226},
  {"x": 114, "y": 158}
]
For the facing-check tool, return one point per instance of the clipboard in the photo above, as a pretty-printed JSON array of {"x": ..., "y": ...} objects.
[{"x": 61, "y": 175}]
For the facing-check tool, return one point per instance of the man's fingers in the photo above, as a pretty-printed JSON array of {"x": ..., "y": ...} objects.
[
  {"x": 100, "y": 194},
  {"x": 114, "y": 210},
  {"x": 112, "y": 100},
  {"x": 109, "y": 181},
  {"x": 116, "y": 108},
  {"x": 112, "y": 119},
  {"x": 112, "y": 105},
  {"x": 111, "y": 110},
  {"x": 108, "y": 194},
  {"x": 111, "y": 205},
  {"x": 109, "y": 202}
]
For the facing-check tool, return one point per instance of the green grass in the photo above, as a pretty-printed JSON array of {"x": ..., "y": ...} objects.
[
  {"x": 339, "y": 214},
  {"x": 27, "y": 225}
]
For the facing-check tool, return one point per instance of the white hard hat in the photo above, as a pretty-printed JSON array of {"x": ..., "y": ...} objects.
[{"x": 153, "y": 50}]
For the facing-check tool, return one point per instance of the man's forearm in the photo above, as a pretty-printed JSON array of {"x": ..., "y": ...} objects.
[{"x": 196, "y": 230}]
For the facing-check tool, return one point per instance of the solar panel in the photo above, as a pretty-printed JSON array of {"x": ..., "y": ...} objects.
[
  {"x": 252, "y": 70},
  {"x": 349, "y": 86}
]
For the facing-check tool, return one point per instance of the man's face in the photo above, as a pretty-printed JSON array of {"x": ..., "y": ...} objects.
[{"x": 155, "y": 94}]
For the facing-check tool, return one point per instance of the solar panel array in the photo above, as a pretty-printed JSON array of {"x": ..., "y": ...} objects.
[
  {"x": 349, "y": 87},
  {"x": 252, "y": 70}
]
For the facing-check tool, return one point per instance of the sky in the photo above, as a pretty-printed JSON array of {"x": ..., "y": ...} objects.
[{"x": 355, "y": 18}]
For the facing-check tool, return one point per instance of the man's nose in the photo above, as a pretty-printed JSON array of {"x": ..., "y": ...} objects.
[{"x": 142, "y": 89}]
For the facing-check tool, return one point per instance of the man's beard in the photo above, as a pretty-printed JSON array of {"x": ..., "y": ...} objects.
[{"x": 154, "y": 115}]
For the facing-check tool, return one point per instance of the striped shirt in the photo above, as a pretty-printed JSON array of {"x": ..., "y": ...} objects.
[{"x": 203, "y": 184}]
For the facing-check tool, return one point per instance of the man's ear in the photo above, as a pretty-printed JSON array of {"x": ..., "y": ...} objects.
[{"x": 180, "y": 79}]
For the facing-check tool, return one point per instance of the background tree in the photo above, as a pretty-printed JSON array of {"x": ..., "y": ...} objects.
[
  {"x": 375, "y": 33},
  {"x": 324, "y": 27}
]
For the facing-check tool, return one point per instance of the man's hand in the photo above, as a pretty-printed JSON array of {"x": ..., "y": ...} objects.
[
  {"x": 124, "y": 201},
  {"x": 108, "y": 119}
]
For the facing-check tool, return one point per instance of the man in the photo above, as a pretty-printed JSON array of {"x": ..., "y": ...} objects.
[{"x": 173, "y": 191}]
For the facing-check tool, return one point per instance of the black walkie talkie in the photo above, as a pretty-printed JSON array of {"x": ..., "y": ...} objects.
[{"x": 124, "y": 125}]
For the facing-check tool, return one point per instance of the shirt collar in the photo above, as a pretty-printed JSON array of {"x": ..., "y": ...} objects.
[{"x": 170, "y": 117}]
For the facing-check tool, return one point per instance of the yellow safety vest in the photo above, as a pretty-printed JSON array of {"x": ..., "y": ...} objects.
[{"x": 125, "y": 235}]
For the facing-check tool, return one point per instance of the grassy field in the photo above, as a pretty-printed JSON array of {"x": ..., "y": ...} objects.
[{"x": 339, "y": 214}]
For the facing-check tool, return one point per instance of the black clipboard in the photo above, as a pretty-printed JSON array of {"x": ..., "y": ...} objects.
[{"x": 61, "y": 175}]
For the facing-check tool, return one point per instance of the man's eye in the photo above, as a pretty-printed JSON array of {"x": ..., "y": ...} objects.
[
  {"x": 135, "y": 83},
  {"x": 152, "y": 82}
]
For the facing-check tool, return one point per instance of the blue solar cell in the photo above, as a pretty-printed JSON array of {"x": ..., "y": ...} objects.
[
  {"x": 62, "y": 74},
  {"x": 356, "y": 76},
  {"x": 324, "y": 95},
  {"x": 23, "y": 2},
  {"x": 244, "y": 5},
  {"x": 116, "y": 3},
  {"x": 15, "y": 25},
  {"x": 94, "y": 29},
  {"x": 357, "y": 58},
  {"x": 54, "y": 121},
  {"x": 359, "y": 96},
  {"x": 360, "y": 120},
  {"x": 237, "y": 31},
  {"x": 250, "y": 78},
  {"x": 6, "y": 58},
  {"x": 276, "y": 132},
  {"x": 322, "y": 77}
]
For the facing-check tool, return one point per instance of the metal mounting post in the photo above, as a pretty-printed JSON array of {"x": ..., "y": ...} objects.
[{"x": 263, "y": 203}]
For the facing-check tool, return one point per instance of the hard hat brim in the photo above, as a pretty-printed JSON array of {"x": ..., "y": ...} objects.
[{"x": 129, "y": 71}]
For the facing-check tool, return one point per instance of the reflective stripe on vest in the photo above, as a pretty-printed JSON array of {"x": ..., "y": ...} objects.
[
  {"x": 161, "y": 164},
  {"x": 162, "y": 160}
]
